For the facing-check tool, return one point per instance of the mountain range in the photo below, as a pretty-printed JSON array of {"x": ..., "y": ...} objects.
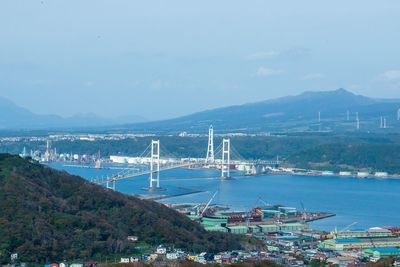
[
  {"x": 14, "y": 117},
  {"x": 325, "y": 110},
  {"x": 309, "y": 111}
]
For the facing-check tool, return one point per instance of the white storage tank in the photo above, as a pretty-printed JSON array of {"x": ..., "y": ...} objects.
[{"x": 362, "y": 174}]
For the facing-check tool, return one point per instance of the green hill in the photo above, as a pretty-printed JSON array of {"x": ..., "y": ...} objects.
[
  {"x": 351, "y": 157},
  {"x": 50, "y": 215}
]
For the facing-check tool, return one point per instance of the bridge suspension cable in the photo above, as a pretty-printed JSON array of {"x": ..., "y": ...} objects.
[{"x": 223, "y": 156}]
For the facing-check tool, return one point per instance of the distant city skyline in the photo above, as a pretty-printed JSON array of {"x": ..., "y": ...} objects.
[{"x": 159, "y": 59}]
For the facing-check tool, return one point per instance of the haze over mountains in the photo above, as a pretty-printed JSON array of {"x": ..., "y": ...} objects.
[
  {"x": 292, "y": 113},
  {"x": 15, "y": 117},
  {"x": 296, "y": 113}
]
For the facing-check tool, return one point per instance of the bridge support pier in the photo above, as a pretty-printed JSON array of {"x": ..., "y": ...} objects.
[
  {"x": 226, "y": 154},
  {"x": 112, "y": 186},
  {"x": 155, "y": 164}
]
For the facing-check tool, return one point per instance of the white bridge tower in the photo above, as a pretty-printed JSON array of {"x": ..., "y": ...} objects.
[
  {"x": 210, "y": 147},
  {"x": 111, "y": 184},
  {"x": 155, "y": 164},
  {"x": 357, "y": 121},
  {"x": 226, "y": 154}
]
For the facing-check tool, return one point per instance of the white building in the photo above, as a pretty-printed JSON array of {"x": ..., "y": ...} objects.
[
  {"x": 124, "y": 260},
  {"x": 362, "y": 174},
  {"x": 161, "y": 250},
  {"x": 381, "y": 174},
  {"x": 132, "y": 238},
  {"x": 172, "y": 256}
]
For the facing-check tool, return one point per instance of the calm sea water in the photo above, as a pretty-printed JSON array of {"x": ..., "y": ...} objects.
[{"x": 369, "y": 202}]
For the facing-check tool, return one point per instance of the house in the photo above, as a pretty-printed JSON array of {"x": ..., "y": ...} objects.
[
  {"x": 161, "y": 250},
  {"x": 341, "y": 261},
  {"x": 227, "y": 259},
  {"x": 90, "y": 264},
  {"x": 191, "y": 257},
  {"x": 201, "y": 258},
  {"x": 319, "y": 256},
  {"x": 172, "y": 256},
  {"x": 217, "y": 257},
  {"x": 132, "y": 238},
  {"x": 152, "y": 257},
  {"x": 124, "y": 260},
  {"x": 132, "y": 259}
]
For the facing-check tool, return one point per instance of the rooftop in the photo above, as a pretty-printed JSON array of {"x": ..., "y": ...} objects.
[
  {"x": 385, "y": 250},
  {"x": 347, "y": 240}
]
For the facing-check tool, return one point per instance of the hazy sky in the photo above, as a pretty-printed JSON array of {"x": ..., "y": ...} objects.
[{"x": 167, "y": 58}]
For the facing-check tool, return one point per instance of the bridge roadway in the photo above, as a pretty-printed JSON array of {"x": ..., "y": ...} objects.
[
  {"x": 125, "y": 175},
  {"x": 129, "y": 173}
]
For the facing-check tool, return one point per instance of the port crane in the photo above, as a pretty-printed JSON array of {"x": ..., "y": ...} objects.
[
  {"x": 248, "y": 215},
  {"x": 208, "y": 203},
  {"x": 348, "y": 227},
  {"x": 344, "y": 229}
]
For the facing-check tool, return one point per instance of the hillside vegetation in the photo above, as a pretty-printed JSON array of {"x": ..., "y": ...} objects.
[
  {"x": 375, "y": 152},
  {"x": 49, "y": 215},
  {"x": 337, "y": 157},
  {"x": 351, "y": 151}
]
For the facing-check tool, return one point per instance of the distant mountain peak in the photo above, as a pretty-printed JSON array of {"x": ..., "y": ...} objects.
[
  {"x": 339, "y": 92},
  {"x": 339, "y": 96},
  {"x": 13, "y": 116},
  {"x": 299, "y": 112},
  {"x": 342, "y": 90}
]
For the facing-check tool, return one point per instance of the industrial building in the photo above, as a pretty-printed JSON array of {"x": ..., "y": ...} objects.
[
  {"x": 378, "y": 253},
  {"x": 371, "y": 232},
  {"x": 372, "y": 238}
]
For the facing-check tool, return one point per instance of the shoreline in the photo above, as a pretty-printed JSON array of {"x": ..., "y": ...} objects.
[
  {"x": 388, "y": 177},
  {"x": 315, "y": 173}
]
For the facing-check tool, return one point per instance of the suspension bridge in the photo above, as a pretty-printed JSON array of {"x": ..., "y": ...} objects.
[{"x": 223, "y": 157}]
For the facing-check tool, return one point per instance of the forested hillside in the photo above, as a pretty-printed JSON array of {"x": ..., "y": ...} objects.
[
  {"x": 374, "y": 151},
  {"x": 49, "y": 215},
  {"x": 339, "y": 157}
]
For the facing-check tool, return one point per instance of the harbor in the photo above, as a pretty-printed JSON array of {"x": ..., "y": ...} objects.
[
  {"x": 255, "y": 221},
  {"x": 350, "y": 198}
]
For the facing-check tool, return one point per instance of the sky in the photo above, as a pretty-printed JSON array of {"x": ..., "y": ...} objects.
[{"x": 160, "y": 59}]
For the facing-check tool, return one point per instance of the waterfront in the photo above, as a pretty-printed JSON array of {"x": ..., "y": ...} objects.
[{"x": 370, "y": 202}]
